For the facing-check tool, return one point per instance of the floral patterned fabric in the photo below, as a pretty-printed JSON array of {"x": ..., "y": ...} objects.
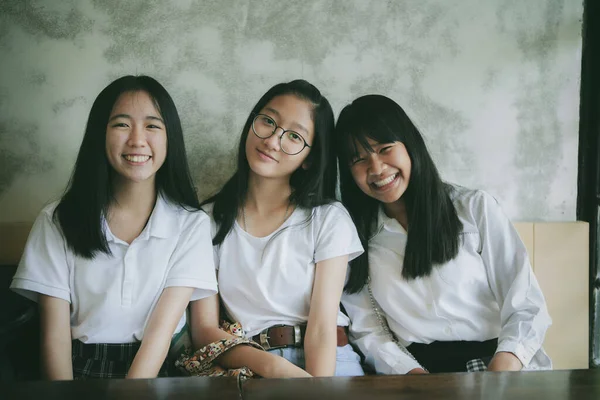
[{"x": 202, "y": 361}]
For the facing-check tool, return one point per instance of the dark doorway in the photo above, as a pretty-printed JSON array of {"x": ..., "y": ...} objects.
[{"x": 588, "y": 181}]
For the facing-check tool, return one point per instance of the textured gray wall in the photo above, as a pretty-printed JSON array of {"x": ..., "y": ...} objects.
[{"x": 494, "y": 85}]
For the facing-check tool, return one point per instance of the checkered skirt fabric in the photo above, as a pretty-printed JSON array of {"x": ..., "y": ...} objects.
[
  {"x": 476, "y": 365},
  {"x": 101, "y": 360}
]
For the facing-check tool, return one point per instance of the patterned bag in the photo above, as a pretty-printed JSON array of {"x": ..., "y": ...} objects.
[{"x": 202, "y": 361}]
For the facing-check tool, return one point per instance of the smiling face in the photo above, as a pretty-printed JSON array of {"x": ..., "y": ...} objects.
[
  {"x": 136, "y": 138},
  {"x": 384, "y": 173},
  {"x": 265, "y": 157}
]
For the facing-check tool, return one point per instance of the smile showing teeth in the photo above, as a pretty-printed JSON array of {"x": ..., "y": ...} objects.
[
  {"x": 136, "y": 159},
  {"x": 385, "y": 181}
]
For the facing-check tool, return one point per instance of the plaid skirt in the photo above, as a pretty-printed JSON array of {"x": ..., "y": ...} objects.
[{"x": 101, "y": 360}]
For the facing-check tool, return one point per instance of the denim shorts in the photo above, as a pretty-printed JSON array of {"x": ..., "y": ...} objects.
[{"x": 347, "y": 361}]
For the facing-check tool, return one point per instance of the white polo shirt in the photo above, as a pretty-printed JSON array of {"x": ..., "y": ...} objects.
[
  {"x": 268, "y": 281},
  {"x": 112, "y": 296},
  {"x": 487, "y": 291}
]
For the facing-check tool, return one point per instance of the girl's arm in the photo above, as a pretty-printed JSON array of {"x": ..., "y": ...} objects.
[
  {"x": 159, "y": 332},
  {"x": 320, "y": 342},
  {"x": 205, "y": 330},
  {"x": 374, "y": 341},
  {"x": 523, "y": 312},
  {"x": 55, "y": 335}
]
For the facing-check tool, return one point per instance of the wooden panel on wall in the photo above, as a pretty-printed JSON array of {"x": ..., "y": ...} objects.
[
  {"x": 562, "y": 269},
  {"x": 13, "y": 236}
]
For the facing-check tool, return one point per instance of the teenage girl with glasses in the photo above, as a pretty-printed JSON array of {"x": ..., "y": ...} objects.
[
  {"x": 281, "y": 244},
  {"x": 443, "y": 267},
  {"x": 114, "y": 263}
]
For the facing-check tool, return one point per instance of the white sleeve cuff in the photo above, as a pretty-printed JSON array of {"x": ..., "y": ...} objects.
[
  {"x": 31, "y": 290},
  {"x": 391, "y": 360},
  {"x": 522, "y": 352},
  {"x": 202, "y": 288}
]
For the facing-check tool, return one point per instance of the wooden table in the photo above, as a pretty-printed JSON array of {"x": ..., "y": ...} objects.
[
  {"x": 575, "y": 384},
  {"x": 162, "y": 388},
  {"x": 548, "y": 385}
]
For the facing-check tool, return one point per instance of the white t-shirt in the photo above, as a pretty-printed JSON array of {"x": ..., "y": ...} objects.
[
  {"x": 268, "y": 281},
  {"x": 112, "y": 296},
  {"x": 487, "y": 291}
]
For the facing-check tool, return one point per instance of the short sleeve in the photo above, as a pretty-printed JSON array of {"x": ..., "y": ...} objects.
[
  {"x": 44, "y": 267},
  {"x": 336, "y": 234},
  {"x": 192, "y": 263}
]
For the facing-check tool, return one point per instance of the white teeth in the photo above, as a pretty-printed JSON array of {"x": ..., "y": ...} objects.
[
  {"x": 137, "y": 159},
  {"x": 385, "y": 181}
]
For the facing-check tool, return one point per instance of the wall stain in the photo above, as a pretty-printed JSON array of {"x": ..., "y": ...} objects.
[
  {"x": 542, "y": 135},
  {"x": 20, "y": 152},
  {"x": 217, "y": 57},
  {"x": 61, "y": 105},
  {"x": 37, "y": 78},
  {"x": 36, "y": 18}
]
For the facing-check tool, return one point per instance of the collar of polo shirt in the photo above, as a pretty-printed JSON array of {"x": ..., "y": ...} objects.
[{"x": 161, "y": 224}]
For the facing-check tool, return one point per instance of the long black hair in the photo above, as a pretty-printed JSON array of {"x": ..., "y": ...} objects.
[
  {"x": 311, "y": 187},
  {"x": 434, "y": 227},
  {"x": 89, "y": 193}
]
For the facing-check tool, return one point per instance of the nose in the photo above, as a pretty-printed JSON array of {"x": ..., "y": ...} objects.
[
  {"x": 137, "y": 136},
  {"x": 274, "y": 142},
  {"x": 376, "y": 167}
]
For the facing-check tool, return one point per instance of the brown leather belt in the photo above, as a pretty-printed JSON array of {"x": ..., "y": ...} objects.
[{"x": 279, "y": 336}]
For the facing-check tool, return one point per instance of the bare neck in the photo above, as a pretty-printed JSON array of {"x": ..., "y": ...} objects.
[
  {"x": 397, "y": 210},
  {"x": 267, "y": 195},
  {"x": 130, "y": 209}
]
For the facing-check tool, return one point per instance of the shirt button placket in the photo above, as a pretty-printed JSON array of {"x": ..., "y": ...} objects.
[{"x": 128, "y": 263}]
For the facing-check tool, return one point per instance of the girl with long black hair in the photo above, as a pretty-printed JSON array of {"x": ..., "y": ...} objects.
[
  {"x": 115, "y": 262},
  {"x": 444, "y": 274},
  {"x": 282, "y": 244}
]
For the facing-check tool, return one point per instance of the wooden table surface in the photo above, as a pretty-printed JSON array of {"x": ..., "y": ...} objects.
[
  {"x": 547, "y": 385},
  {"x": 569, "y": 384},
  {"x": 162, "y": 388}
]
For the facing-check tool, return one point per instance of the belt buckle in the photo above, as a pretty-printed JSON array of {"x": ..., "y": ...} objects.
[
  {"x": 297, "y": 336},
  {"x": 264, "y": 339}
]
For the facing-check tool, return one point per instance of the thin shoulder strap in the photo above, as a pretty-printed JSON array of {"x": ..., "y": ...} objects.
[{"x": 386, "y": 327}]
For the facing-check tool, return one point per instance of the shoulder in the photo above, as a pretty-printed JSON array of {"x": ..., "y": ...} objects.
[
  {"x": 48, "y": 210},
  {"x": 472, "y": 205},
  {"x": 46, "y": 216},
  {"x": 334, "y": 209},
  {"x": 185, "y": 217},
  {"x": 208, "y": 208}
]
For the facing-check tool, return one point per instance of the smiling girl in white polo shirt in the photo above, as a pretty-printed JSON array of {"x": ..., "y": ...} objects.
[
  {"x": 444, "y": 271},
  {"x": 115, "y": 262},
  {"x": 281, "y": 244}
]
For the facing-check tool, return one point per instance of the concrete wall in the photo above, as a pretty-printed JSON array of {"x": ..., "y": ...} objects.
[{"x": 494, "y": 85}]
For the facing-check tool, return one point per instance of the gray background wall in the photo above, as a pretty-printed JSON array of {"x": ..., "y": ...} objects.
[{"x": 494, "y": 85}]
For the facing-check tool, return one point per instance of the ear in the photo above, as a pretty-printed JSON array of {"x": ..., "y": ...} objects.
[{"x": 306, "y": 165}]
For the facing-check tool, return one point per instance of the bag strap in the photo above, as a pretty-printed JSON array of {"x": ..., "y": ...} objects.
[{"x": 386, "y": 327}]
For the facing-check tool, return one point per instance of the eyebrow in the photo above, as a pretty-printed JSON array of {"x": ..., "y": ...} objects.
[
  {"x": 129, "y": 117},
  {"x": 294, "y": 124}
]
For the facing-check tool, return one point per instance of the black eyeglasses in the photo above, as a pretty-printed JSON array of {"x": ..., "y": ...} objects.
[{"x": 290, "y": 142}]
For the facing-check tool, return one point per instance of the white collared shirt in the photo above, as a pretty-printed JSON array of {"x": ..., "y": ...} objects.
[
  {"x": 268, "y": 281},
  {"x": 113, "y": 296},
  {"x": 487, "y": 291}
]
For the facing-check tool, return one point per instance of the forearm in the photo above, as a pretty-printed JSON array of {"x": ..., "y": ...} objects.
[
  {"x": 55, "y": 339},
  {"x": 261, "y": 362},
  {"x": 159, "y": 332},
  {"x": 56, "y": 363},
  {"x": 150, "y": 357},
  {"x": 320, "y": 353},
  {"x": 505, "y": 361}
]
